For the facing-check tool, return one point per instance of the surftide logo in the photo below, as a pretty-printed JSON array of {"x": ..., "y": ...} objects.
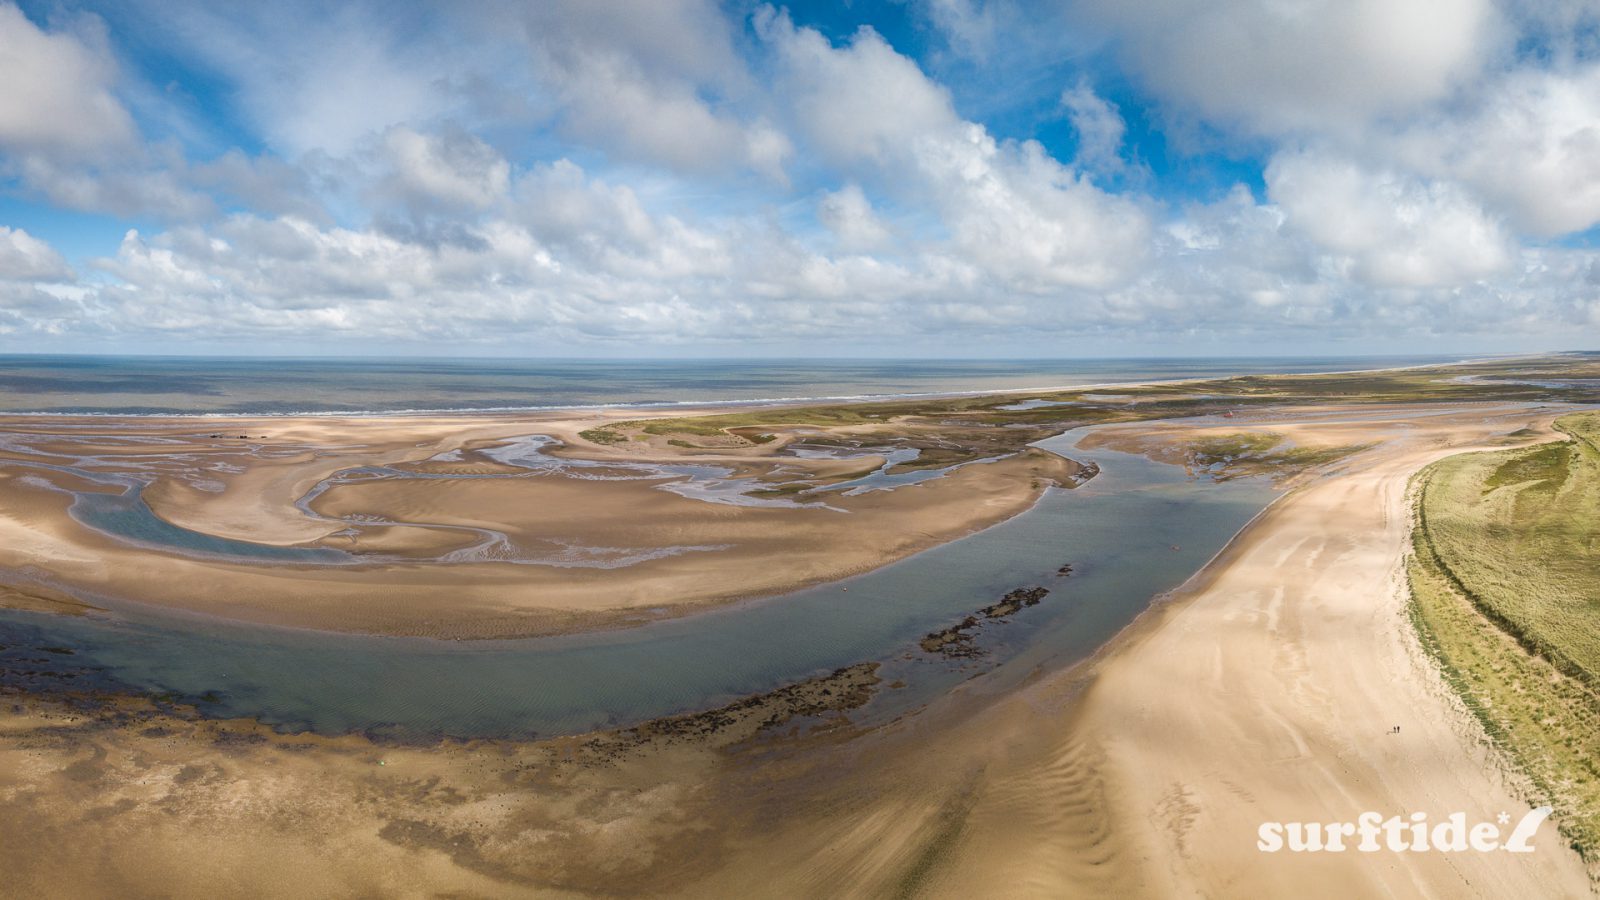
[{"x": 1371, "y": 833}]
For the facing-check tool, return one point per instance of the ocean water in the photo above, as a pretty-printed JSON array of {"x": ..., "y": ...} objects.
[{"x": 138, "y": 385}]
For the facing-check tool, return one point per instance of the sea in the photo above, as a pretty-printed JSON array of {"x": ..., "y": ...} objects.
[{"x": 171, "y": 385}]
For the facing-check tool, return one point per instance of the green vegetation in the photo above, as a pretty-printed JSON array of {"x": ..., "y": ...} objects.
[
  {"x": 602, "y": 435},
  {"x": 1245, "y": 453},
  {"x": 1541, "y": 471},
  {"x": 1520, "y": 531},
  {"x": 724, "y": 422},
  {"x": 986, "y": 429},
  {"x": 1505, "y": 593},
  {"x": 1226, "y": 449}
]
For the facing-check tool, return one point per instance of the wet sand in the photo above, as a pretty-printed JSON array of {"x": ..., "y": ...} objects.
[{"x": 595, "y": 553}]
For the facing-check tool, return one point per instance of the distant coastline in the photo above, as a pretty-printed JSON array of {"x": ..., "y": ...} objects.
[{"x": 148, "y": 387}]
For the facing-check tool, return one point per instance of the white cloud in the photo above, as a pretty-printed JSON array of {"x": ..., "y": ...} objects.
[
  {"x": 310, "y": 79},
  {"x": 1099, "y": 126},
  {"x": 656, "y": 82},
  {"x": 971, "y": 26},
  {"x": 454, "y": 170},
  {"x": 415, "y": 187},
  {"x": 605, "y": 229},
  {"x": 1396, "y": 230},
  {"x": 1008, "y": 207},
  {"x": 24, "y": 257},
  {"x": 1030, "y": 220},
  {"x": 610, "y": 102},
  {"x": 859, "y": 103},
  {"x": 131, "y": 187},
  {"x": 849, "y": 215},
  {"x": 1306, "y": 65},
  {"x": 577, "y": 261},
  {"x": 1530, "y": 144},
  {"x": 57, "y": 96}
]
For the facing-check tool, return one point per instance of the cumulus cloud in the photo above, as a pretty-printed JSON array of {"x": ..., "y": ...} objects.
[
  {"x": 1099, "y": 127},
  {"x": 578, "y": 173},
  {"x": 37, "y": 291},
  {"x": 1318, "y": 64},
  {"x": 24, "y": 257},
  {"x": 310, "y": 78},
  {"x": 1530, "y": 144},
  {"x": 971, "y": 26},
  {"x": 127, "y": 187},
  {"x": 1011, "y": 209},
  {"x": 609, "y": 102},
  {"x": 454, "y": 170},
  {"x": 58, "y": 95},
  {"x": 659, "y": 82},
  {"x": 605, "y": 229},
  {"x": 1396, "y": 231},
  {"x": 861, "y": 103},
  {"x": 849, "y": 215},
  {"x": 576, "y": 261}
]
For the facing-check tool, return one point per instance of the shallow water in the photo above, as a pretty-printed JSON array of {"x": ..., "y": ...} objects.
[{"x": 1134, "y": 531}]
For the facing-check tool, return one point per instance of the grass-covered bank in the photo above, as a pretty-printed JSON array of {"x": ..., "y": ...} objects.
[{"x": 1505, "y": 595}]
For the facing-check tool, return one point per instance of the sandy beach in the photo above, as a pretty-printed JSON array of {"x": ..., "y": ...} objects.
[{"x": 1295, "y": 660}]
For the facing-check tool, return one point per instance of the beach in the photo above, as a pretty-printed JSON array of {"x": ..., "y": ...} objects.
[
  {"x": 1295, "y": 661},
  {"x": 1291, "y": 647}
]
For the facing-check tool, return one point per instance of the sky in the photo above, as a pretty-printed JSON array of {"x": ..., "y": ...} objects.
[{"x": 689, "y": 178}]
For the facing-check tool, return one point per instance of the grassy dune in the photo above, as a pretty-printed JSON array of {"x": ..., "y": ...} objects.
[
  {"x": 1505, "y": 583},
  {"x": 1520, "y": 529}
]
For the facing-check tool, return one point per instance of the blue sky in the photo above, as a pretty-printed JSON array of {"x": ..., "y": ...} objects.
[{"x": 879, "y": 177}]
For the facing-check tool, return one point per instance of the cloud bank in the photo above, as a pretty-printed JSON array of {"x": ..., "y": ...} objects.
[{"x": 608, "y": 178}]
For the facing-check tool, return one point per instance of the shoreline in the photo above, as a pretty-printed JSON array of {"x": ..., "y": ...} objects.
[
  {"x": 1121, "y": 692},
  {"x": 725, "y": 404}
]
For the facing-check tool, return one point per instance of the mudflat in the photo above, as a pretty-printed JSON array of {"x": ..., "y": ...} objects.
[{"x": 427, "y": 534}]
